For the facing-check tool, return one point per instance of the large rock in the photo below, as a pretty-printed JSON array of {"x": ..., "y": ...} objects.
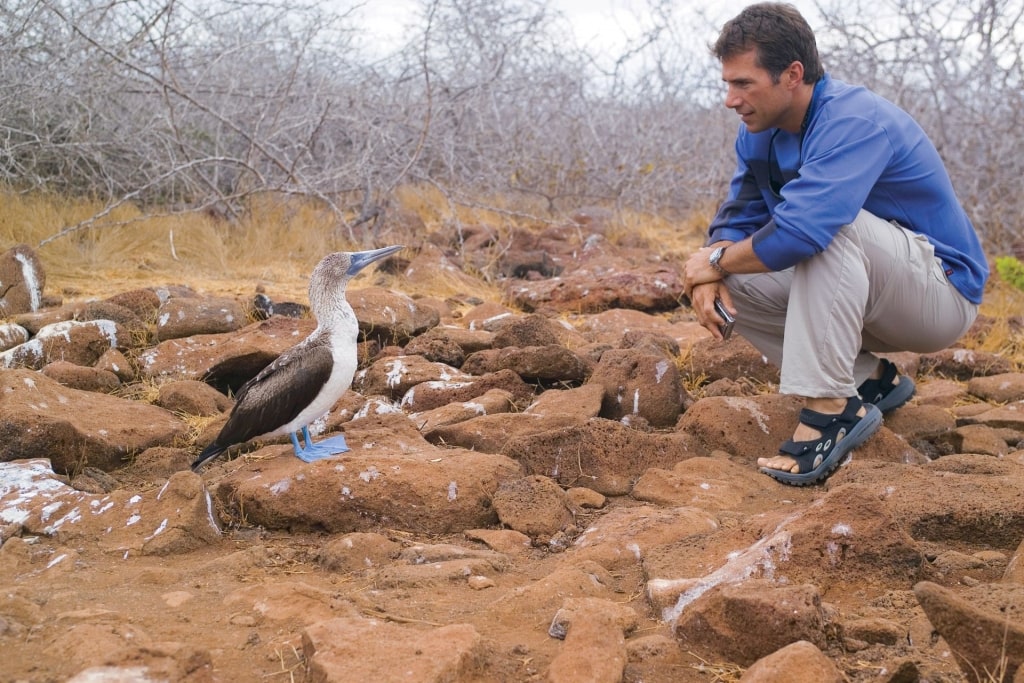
[
  {"x": 551, "y": 363},
  {"x": 74, "y": 429},
  {"x": 984, "y": 627},
  {"x": 390, "y": 317},
  {"x": 599, "y": 454},
  {"x": 391, "y": 477},
  {"x": 955, "y": 499},
  {"x": 227, "y": 360},
  {"x": 176, "y": 518},
  {"x": 354, "y": 649},
  {"x": 81, "y": 343},
  {"x": 187, "y": 316},
  {"x": 394, "y": 377},
  {"x": 600, "y": 286},
  {"x": 463, "y": 388},
  {"x": 799, "y": 662},
  {"x": 748, "y": 621},
  {"x": 640, "y": 384}
]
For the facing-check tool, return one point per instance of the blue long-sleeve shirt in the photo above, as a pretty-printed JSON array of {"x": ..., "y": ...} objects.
[{"x": 856, "y": 151}]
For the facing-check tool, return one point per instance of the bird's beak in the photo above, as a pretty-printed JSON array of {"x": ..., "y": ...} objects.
[{"x": 360, "y": 259}]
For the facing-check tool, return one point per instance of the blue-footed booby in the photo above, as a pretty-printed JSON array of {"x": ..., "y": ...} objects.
[{"x": 304, "y": 382}]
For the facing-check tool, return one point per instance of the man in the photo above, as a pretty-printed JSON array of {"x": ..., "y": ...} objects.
[{"x": 841, "y": 236}]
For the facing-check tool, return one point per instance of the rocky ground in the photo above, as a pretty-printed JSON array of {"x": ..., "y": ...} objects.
[{"x": 556, "y": 486}]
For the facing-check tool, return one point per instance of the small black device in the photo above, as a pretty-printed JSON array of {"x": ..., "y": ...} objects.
[{"x": 725, "y": 328}]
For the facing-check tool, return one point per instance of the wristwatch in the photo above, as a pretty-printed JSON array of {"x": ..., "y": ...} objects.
[{"x": 715, "y": 258}]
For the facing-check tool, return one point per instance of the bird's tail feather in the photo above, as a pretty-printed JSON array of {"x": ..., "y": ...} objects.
[{"x": 209, "y": 453}]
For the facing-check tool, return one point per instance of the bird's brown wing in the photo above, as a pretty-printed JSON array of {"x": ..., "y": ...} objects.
[{"x": 278, "y": 393}]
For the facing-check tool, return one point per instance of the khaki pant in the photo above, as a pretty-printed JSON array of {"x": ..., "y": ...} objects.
[{"x": 877, "y": 288}]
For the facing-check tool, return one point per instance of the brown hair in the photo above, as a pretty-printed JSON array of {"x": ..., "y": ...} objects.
[{"x": 780, "y": 35}]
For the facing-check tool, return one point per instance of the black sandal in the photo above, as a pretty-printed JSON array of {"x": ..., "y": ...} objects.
[
  {"x": 882, "y": 393},
  {"x": 840, "y": 434}
]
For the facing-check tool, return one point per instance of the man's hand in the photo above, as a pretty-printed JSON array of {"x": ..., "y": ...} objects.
[
  {"x": 697, "y": 270},
  {"x": 702, "y": 298}
]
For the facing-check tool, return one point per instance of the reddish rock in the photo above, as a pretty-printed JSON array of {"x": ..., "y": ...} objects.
[
  {"x": 192, "y": 397},
  {"x": 180, "y": 317},
  {"x": 432, "y": 394},
  {"x": 535, "y": 506},
  {"x": 22, "y": 280},
  {"x": 76, "y": 428},
  {"x": 799, "y": 662},
  {"x": 599, "y": 454},
  {"x": 394, "y": 377},
  {"x": 551, "y": 363},
  {"x": 732, "y": 359},
  {"x": 225, "y": 360},
  {"x": 638, "y": 383},
  {"x": 748, "y": 621},
  {"x": 81, "y": 343},
  {"x": 82, "y": 378},
  {"x": 390, "y": 317},
  {"x": 984, "y": 627}
]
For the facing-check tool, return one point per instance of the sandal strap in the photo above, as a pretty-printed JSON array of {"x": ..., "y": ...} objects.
[
  {"x": 873, "y": 390},
  {"x": 821, "y": 421}
]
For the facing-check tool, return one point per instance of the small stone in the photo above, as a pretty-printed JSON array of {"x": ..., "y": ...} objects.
[{"x": 477, "y": 582}]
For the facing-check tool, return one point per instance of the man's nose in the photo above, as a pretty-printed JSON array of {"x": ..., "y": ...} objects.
[{"x": 732, "y": 99}]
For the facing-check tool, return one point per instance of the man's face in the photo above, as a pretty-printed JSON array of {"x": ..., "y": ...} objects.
[{"x": 760, "y": 103}]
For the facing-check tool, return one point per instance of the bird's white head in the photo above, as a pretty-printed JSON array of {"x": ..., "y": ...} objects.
[{"x": 330, "y": 277}]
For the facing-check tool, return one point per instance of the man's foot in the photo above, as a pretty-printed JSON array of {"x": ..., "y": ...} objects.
[
  {"x": 886, "y": 388},
  {"x": 821, "y": 440}
]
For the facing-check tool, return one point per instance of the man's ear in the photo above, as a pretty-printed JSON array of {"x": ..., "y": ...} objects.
[{"x": 794, "y": 74}]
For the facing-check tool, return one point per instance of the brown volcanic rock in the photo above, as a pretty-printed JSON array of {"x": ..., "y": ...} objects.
[
  {"x": 359, "y": 649},
  {"x": 602, "y": 278},
  {"x": 22, "y": 280},
  {"x": 734, "y": 358},
  {"x": 393, "y": 377},
  {"x": 76, "y": 428},
  {"x": 81, "y": 343},
  {"x": 390, "y": 477},
  {"x": 638, "y": 383},
  {"x": 225, "y": 360},
  {"x": 599, "y": 454},
  {"x": 984, "y": 627},
  {"x": 82, "y": 378},
  {"x": 554, "y": 363},
  {"x": 180, "y": 317},
  {"x": 12, "y": 335},
  {"x": 390, "y": 317},
  {"x": 745, "y": 622},
  {"x": 433, "y": 394},
  {"x": 955, "y": 499}
]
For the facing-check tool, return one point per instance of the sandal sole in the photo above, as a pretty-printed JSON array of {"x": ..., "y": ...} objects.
[{"x": 864, "y": 429}]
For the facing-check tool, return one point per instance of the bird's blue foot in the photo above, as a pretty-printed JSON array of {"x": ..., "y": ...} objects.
[{"x": 318, "y": 451}]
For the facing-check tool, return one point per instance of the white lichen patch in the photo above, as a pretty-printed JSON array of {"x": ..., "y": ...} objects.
[
  {"x": 659, "y": 370},
  {"x": 280, "y": 487},
  {"x": 369, "y": 474},
  {"x": 32, "y": 280},
  {"x": 751, "y": 407},
  {"x": 396, "y": 369},
  {"x": 757, "y": 559}
]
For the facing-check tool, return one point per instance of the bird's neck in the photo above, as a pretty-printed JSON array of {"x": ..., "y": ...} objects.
[{"x": 338, "y": 319}]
